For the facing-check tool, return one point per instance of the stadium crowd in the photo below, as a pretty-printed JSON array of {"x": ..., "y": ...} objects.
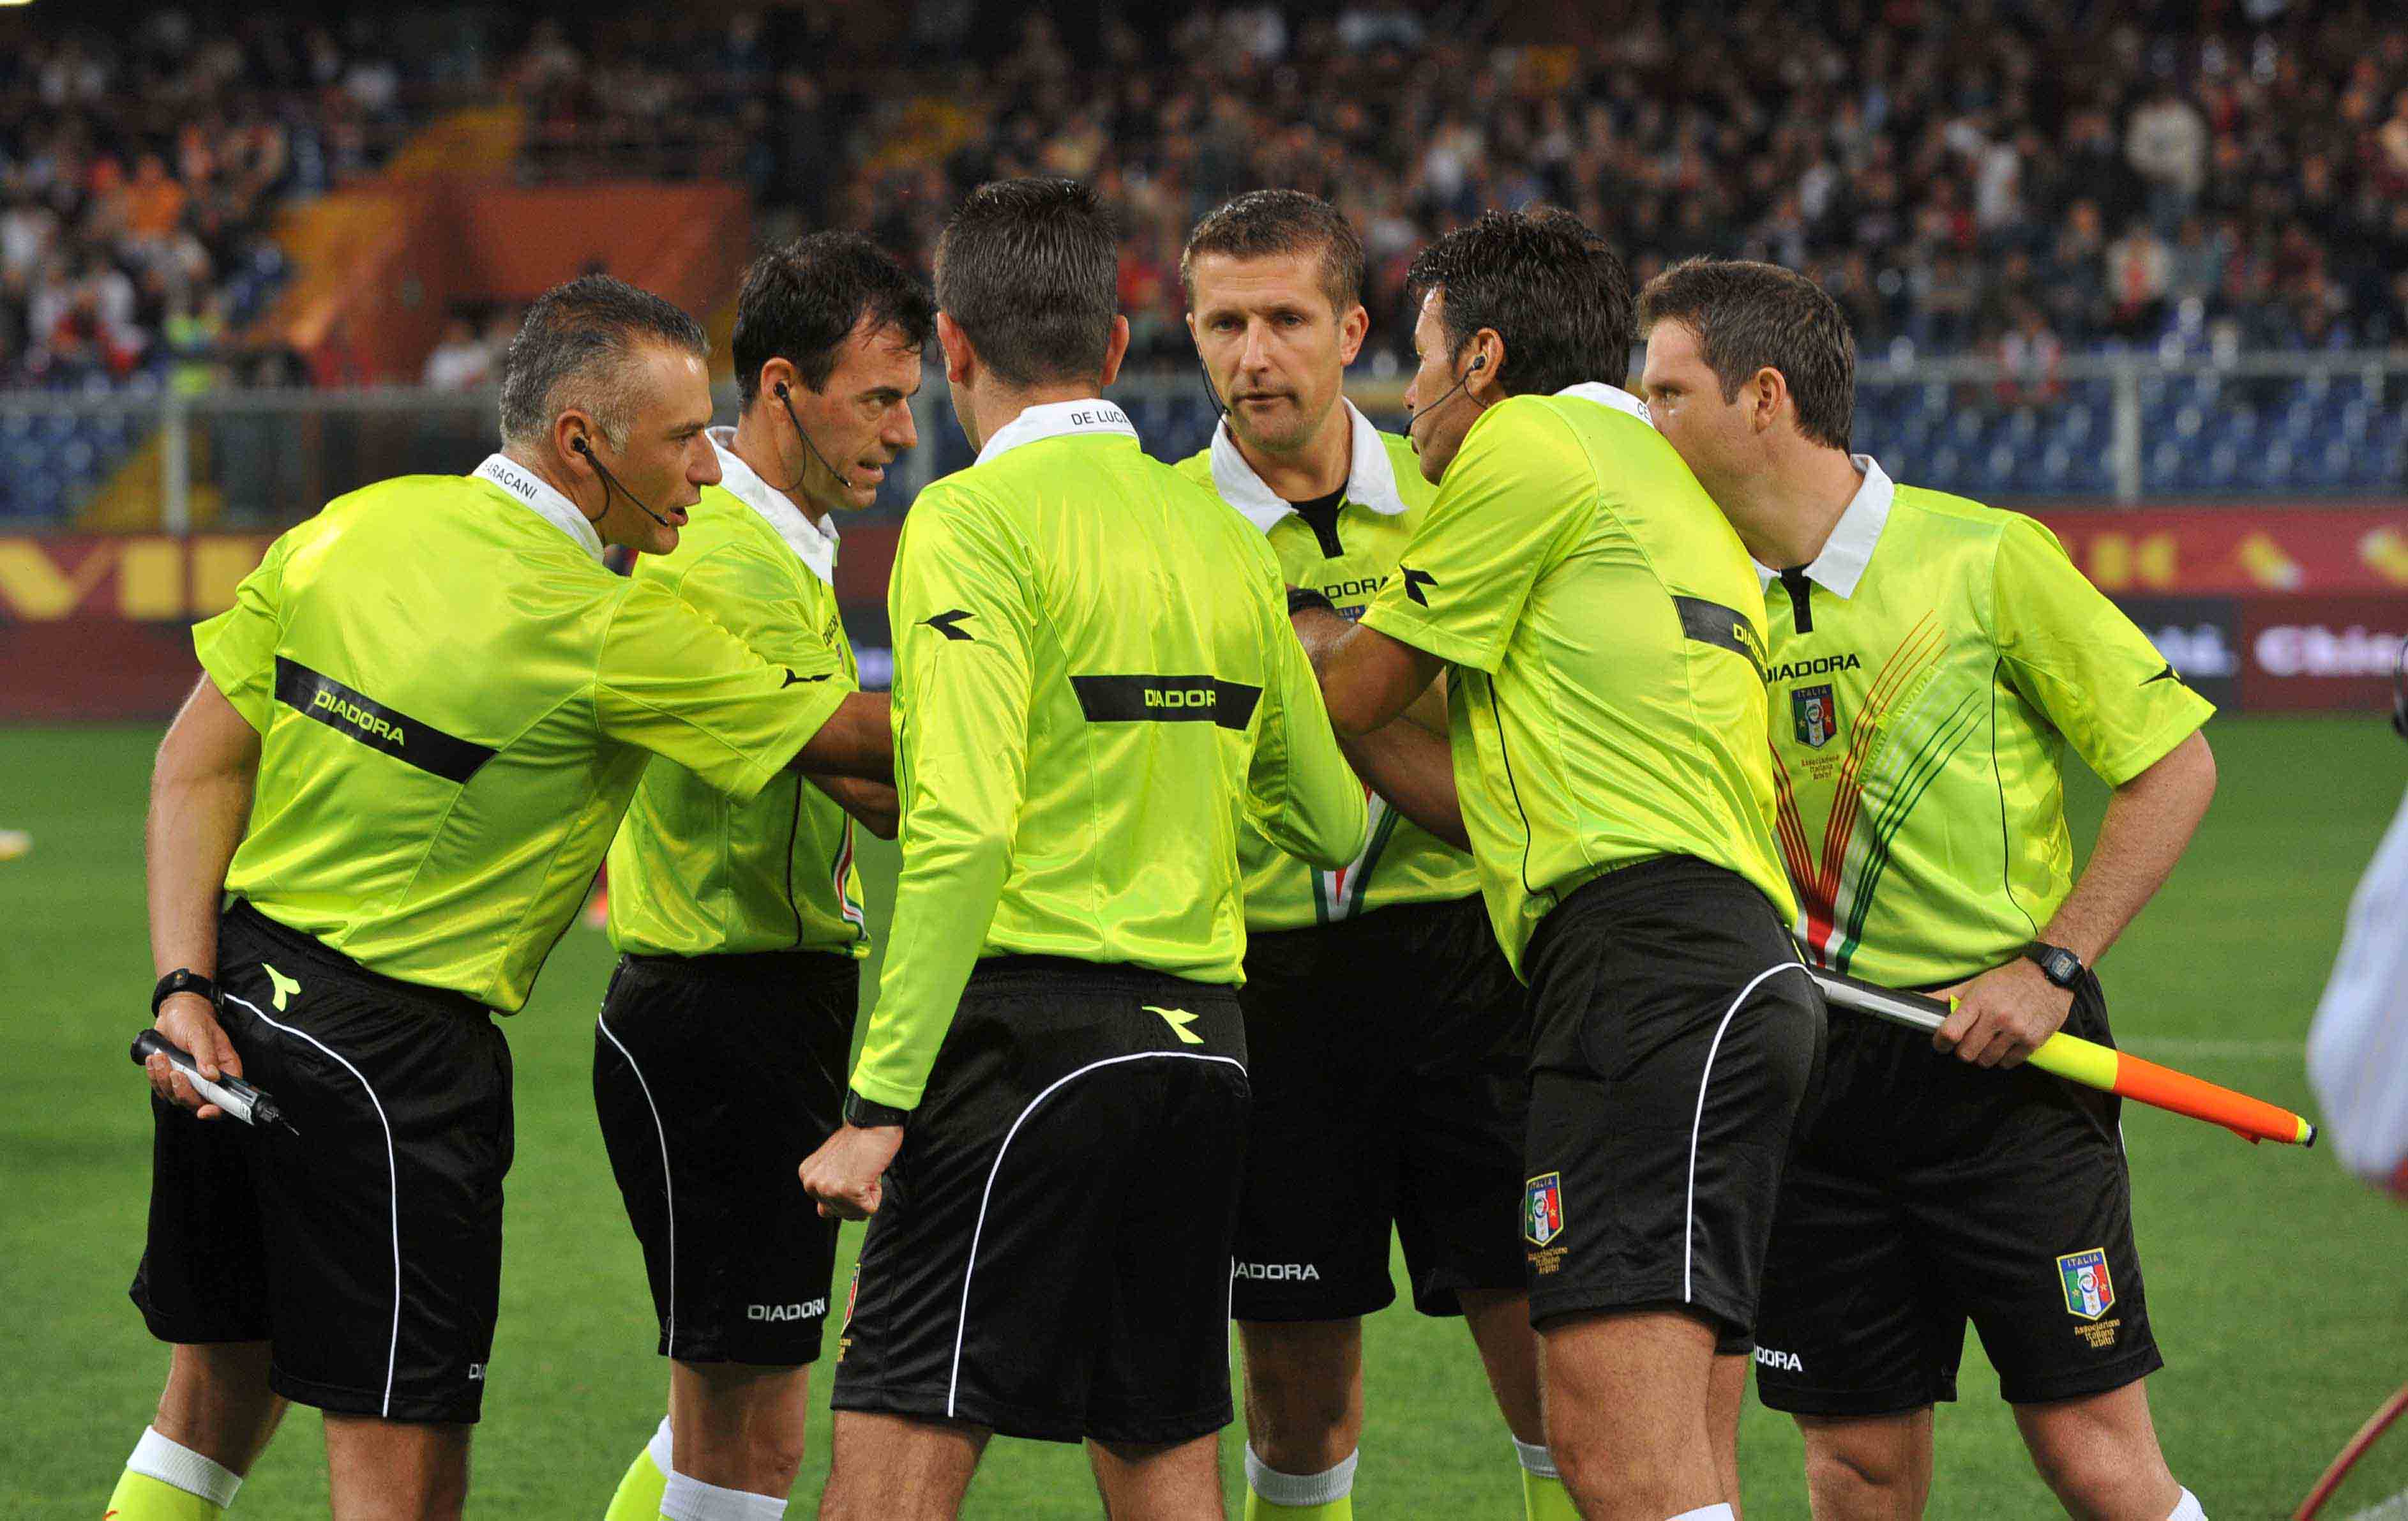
[{"x": 2025, "y": 178}]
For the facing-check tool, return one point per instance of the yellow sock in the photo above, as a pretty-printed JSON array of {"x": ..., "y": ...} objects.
[
  {"x": 1545, "y": 1498},
  {"x": 139, "y": 1497},
  {"x": 1274, "y": 1496},
  {"x": 639, "y": 1492},
  {"x": 1544, "y": 1495}
]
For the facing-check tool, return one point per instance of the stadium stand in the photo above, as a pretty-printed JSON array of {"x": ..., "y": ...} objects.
[{"x": 2034, "y": 183}]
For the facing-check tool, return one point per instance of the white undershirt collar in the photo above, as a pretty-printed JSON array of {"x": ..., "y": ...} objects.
[
  {"x": 543, "y": 497},
  {"x": 1850, "y": 549},
  {"x": 813, "y": 543},
  {"x": 1053, "y": 420},
  {"x": 1609, "y": 395},
  {"x": 1371, "y": 478}
]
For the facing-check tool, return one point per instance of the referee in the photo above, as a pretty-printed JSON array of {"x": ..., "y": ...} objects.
[
  {"x": 1601, "y": 631},
  {"x": 1094, "y": 680},
  {"x": 1386, "y": 1038},
  {"x": 415, "y": 733},
  {"x": 1930, "y": 660},
  {"x": 720, "y": 1054}
]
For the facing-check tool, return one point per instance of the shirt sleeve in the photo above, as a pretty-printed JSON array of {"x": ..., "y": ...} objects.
[
  {"x": 2076, "y": 657},
  {"x": 962, "y": 616},
  {"x": 1511, "y": 499},
  {"x": 237, "y": 647},
  {"x": 748, "y": 592},
  {"x": 675, "y": 682},
  {"x": 1300, "y": 792}
]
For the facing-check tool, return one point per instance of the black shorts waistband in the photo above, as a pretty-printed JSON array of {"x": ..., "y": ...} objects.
[
  {"x": 311, "y": 951},
  {"x": 1685, "y": 879},
  {"x": 750, "y": 966},
  {"x": 994, "y": 974}
]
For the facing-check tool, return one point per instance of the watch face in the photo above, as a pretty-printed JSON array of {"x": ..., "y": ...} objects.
[{"x": 2062, "y": 967}]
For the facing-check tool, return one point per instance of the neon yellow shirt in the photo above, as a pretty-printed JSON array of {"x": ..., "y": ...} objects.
[
  {"x": 1095, "y": 683},
  {"x": 1345, "y": 560},
  {"x": 1605, "y": 629},
  {"x": 1928, "y": 669},
  {"x": 454, "y": 700},
  {"x": 694, "y": 872}
]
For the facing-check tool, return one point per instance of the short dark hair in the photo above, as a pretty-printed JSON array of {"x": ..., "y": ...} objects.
[
  {"x": 1552, "y": 289},
  {"x": 800, "y": 303},
  {"x": 1030, "y": 269},
  {"x": 1264, "y": 223},
  {"x": 569, "y": 348},
  {"x": 1751, "y": 316}
]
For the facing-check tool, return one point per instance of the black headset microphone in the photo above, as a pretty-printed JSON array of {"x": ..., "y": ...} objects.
[
  {"x": 610, "y": 483},
  {"x": 780, "y": 389},
  {"x": 1412, "y": 424}
]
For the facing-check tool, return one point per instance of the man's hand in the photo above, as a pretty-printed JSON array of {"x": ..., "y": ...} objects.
[
  {"x": 844, "y": 1174},
  {"x": 189, "y": 1021},
  {"x": 2002, "y": 1016}
]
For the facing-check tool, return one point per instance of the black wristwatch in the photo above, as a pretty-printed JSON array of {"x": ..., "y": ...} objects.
[
  {"x": 863, "y": 1115},
  {"x": 182, "y": 980},
  {"x": 1301, "y": 597},
  {"x": 2055, "y": 963}
]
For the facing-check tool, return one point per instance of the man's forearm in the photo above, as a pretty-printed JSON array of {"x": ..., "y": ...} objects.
[
  {"x": 857, "y": 740},
  {"x": 2148, "y": 823},
  {"x": 200, "y": 802},
  {"x": 1413, "y": 768},
  {"x": 1367, "y": 678},
  {"x": 874, "y": 804}
]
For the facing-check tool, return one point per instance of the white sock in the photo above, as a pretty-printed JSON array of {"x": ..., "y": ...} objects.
[
  {"x": 1707, "y": 1513},
  {"x": 1299, "y": 1488},
  {"x": 659, "y": 1448},
  {"x": 1535, "y": 1458},
  {"x": 171, "y": 1463},
  {"x": 690, "y": 1500},
  {"x": 2187, "y": 1509}
]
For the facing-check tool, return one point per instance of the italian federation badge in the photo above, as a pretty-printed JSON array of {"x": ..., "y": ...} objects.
[
  {"x": 2089, "y": 1293},
  {"x": 1815, "y": 711},
  {"x": 1542, "y": 1209}
]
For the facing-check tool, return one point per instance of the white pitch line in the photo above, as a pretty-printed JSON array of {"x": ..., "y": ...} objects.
[{"x": 2394, "y": 1509}]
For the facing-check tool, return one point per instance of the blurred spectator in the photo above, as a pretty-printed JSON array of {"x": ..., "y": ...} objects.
[
  {"x": 2165, "y": 143},
  {"x": 461, "y": 361}
]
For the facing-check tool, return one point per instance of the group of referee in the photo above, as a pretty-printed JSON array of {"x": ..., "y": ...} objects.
[{"x": 1335, "y": 834}]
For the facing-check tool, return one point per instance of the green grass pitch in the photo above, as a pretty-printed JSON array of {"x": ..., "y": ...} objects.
[{"x": 2279, "y": 1287}]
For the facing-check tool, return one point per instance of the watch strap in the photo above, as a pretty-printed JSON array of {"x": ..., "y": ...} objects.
[
  {"x": 869, "y": 1115},
  {"x": 2055, "y": 963},
  {"x": 182, "y": 980}
]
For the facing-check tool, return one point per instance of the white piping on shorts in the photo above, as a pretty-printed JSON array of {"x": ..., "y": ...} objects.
[
  {"x": 1697, "y": 1126},
  {"x": 668, "y": 1197},
  {"x": 391, "y": 1178},
  {"x": 953, "y": 1385}
]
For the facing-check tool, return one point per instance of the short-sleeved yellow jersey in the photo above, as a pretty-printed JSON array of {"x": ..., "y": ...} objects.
[
  {"x": 1606, "y": 631},
  {"x": 1927, "y": 671},
  {"x": 454, "y": 699},
  {"x": 1345, "y": 557},
  {"x": 694, "y": 872}
]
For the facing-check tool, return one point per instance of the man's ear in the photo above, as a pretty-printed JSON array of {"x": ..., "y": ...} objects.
[
  {"x": 775, "y": 373},
  {"x": 1115, "y": 352},
  {"x": 567, "y": 428},
  {"x": 961, "y": 360},
  {"x": 1484, "y": 373},
  {"x": 1768, "y": 397},
  {"x": 1354, "y": 326}
]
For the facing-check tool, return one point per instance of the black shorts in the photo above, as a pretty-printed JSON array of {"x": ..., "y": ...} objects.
[
  {"x": 369, "y": 1247},
  {"x": 713, "y": 1078},
  {"x": 1927, "y": 1192},
  {"x": 1675, "y": 1035},
  {"x": 1390, "y": 1062},
  {"x": 1052, "y": 1258}
]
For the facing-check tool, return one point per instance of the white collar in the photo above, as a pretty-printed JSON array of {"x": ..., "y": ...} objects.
[
  {"x": 544, "y": 497},
  {"x": 813, "y": 543},
  {"x": 1371, "y": 478},
  {"x": 1052, "y": 420},
  {"x": 1850, "y": 548},
  {"x": 1609, "y": 395}
]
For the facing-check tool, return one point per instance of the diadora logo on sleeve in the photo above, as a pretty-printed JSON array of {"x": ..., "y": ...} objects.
[
  {"x": 1778, "y": 1360},
  {"x": 1293, "y": 1272},
  {"x": 808, "y": 1310},
  {"x": 1414, "y": 581},
  {"x": 357, "y": 715}
]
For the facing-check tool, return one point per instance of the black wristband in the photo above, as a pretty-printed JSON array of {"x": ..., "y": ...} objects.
[
  {"x": 1301, "y": 597},
  {"x": 865, "y": 1114},
  {"x": 182, "y": 980}
]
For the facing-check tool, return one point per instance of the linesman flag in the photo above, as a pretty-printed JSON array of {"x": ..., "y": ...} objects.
[{"x": 2093, "y": 1066}]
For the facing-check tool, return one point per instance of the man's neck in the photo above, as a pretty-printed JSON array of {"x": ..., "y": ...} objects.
[
  {"x": 1321, "y": 465},
  {"x": 546, "y": 471},
  {"x": 1786, "y": 516},
  {"x": 994, "y": 408},
  {"x": 758, "y": 434}
]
